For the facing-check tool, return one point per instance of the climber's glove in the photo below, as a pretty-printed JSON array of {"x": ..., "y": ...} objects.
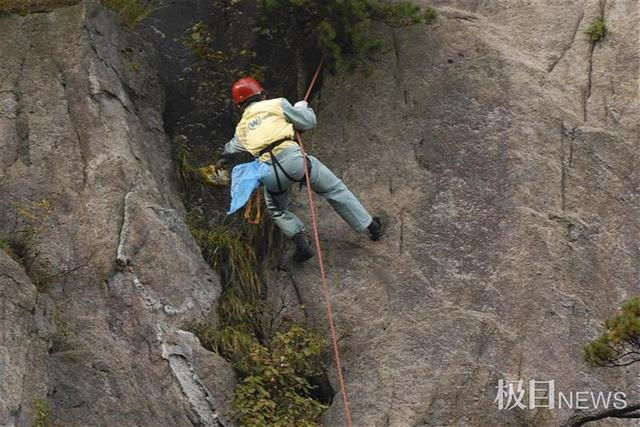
[
  {"x": 301, "y": 104},
  {"x": 222, "y": 163}
]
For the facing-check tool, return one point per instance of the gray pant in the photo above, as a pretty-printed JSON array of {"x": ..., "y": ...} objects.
[{"x": 323, "y": 182}]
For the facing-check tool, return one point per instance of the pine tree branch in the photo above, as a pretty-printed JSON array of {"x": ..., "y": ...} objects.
[{"x": 584, "y": 417}]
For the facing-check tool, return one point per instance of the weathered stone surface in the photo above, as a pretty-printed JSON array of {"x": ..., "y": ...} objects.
[
  {"x": 81, "y": 126},
  {"x": 25, "y": 327},
  {"x": 502, "y": 144},
  {"x": 504, "y": 149}
]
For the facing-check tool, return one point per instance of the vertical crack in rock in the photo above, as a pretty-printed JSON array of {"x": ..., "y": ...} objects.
[
  {"x": 396, "y": 51},
  {"x": 587, "y": 95},
  {"x": 566, "y": 48},
  {"x": 563, "y": 173},
  {"x": 301, "y": 304},
  {"x": 22, "y": 122},
  {"x": 179, "y": 356},
  {"x": 567, "y": 131},
  {"x": 10, "y": 111},
  {"x": 573, "y": 137},
  {"x": 401, "y": 244},
  {"x": 392, "y": 401},
  {"x": 396, "y": 48},
  {"x": 82, "y": 145}
]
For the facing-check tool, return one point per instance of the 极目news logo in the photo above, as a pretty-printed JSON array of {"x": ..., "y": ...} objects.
[{"x": 543, "y": 394}]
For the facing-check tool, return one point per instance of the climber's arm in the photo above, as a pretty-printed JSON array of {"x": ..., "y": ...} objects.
[
  {"x": 231, "y": 150},
  {"x": 302, "y": 117}
]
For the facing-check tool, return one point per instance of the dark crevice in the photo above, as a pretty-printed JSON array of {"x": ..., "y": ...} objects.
[
  {"x": 567, "y": 133},
  {"x": 396, "y": 48},
  {"x": 396, "y": 51},
  {"x": 571, "y": 148},
  {"x": 603, "y": 4},
  {"x": 587, "y": 94},
  {"x": 321, "y": 388}
]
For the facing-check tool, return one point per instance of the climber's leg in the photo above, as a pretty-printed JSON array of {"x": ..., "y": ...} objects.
[
  {"x": 325, "y": 183},
  {"x": 276, "y": 193},
  {"x": 278, "y": 204},
  {"x": 278, "y": 207}
]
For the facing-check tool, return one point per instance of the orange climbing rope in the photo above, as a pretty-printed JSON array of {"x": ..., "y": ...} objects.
[{"x": 325, "y": 285}]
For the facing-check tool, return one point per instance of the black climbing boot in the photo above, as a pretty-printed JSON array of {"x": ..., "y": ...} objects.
[
  {"x": 377, "y": 226},
  {"x": 303, "y": 250}
]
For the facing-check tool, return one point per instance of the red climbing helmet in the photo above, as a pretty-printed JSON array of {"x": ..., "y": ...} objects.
[{"x": 245, "y": 88}]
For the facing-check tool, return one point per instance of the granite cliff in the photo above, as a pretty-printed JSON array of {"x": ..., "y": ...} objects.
[{"x": 501, "y": 142}]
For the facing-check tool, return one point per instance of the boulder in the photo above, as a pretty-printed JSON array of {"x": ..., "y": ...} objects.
[{"x": 82, "y": 133}]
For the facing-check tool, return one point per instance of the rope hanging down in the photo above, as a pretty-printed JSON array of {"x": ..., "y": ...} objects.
[{"x": 325, "y": 285}]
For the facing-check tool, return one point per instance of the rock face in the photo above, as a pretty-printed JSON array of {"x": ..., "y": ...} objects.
[
  {"x": 501, "y": 143},
  {"x": 92, "y": 327},
  {"x": 25, "y": 328},
  {"x": 504, "y": 147}
]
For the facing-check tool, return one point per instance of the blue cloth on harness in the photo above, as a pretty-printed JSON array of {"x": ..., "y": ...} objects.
[{"x": 245, "y": 178}]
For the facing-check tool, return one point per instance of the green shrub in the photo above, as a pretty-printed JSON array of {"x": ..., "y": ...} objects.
[
  {"x": 225, "y": 249},
  {"x": 596, "y": 30},
  {"x": 187, "y": 174},
  {"x": 132, "y": 12},
  {"x": 41, "y": 418},
  {"x": 199, "y": 39},
  {"x": 275, "y": 370},
  {"x": 275, "y": 390},
  {"x": 239, "y": 308},
  {"x": 340, "y": 29},
  {"x": 619, "y": 343}
]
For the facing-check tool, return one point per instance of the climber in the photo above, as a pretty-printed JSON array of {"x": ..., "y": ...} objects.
[{"x": 266, "y": 131}]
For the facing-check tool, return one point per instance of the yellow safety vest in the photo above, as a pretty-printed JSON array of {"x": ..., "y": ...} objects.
[{"x": 263, "y": 123}]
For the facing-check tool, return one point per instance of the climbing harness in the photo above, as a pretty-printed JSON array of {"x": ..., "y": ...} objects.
[
  {"x": 276, "y": 165},
  {"x": 325, "y": 285}
]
